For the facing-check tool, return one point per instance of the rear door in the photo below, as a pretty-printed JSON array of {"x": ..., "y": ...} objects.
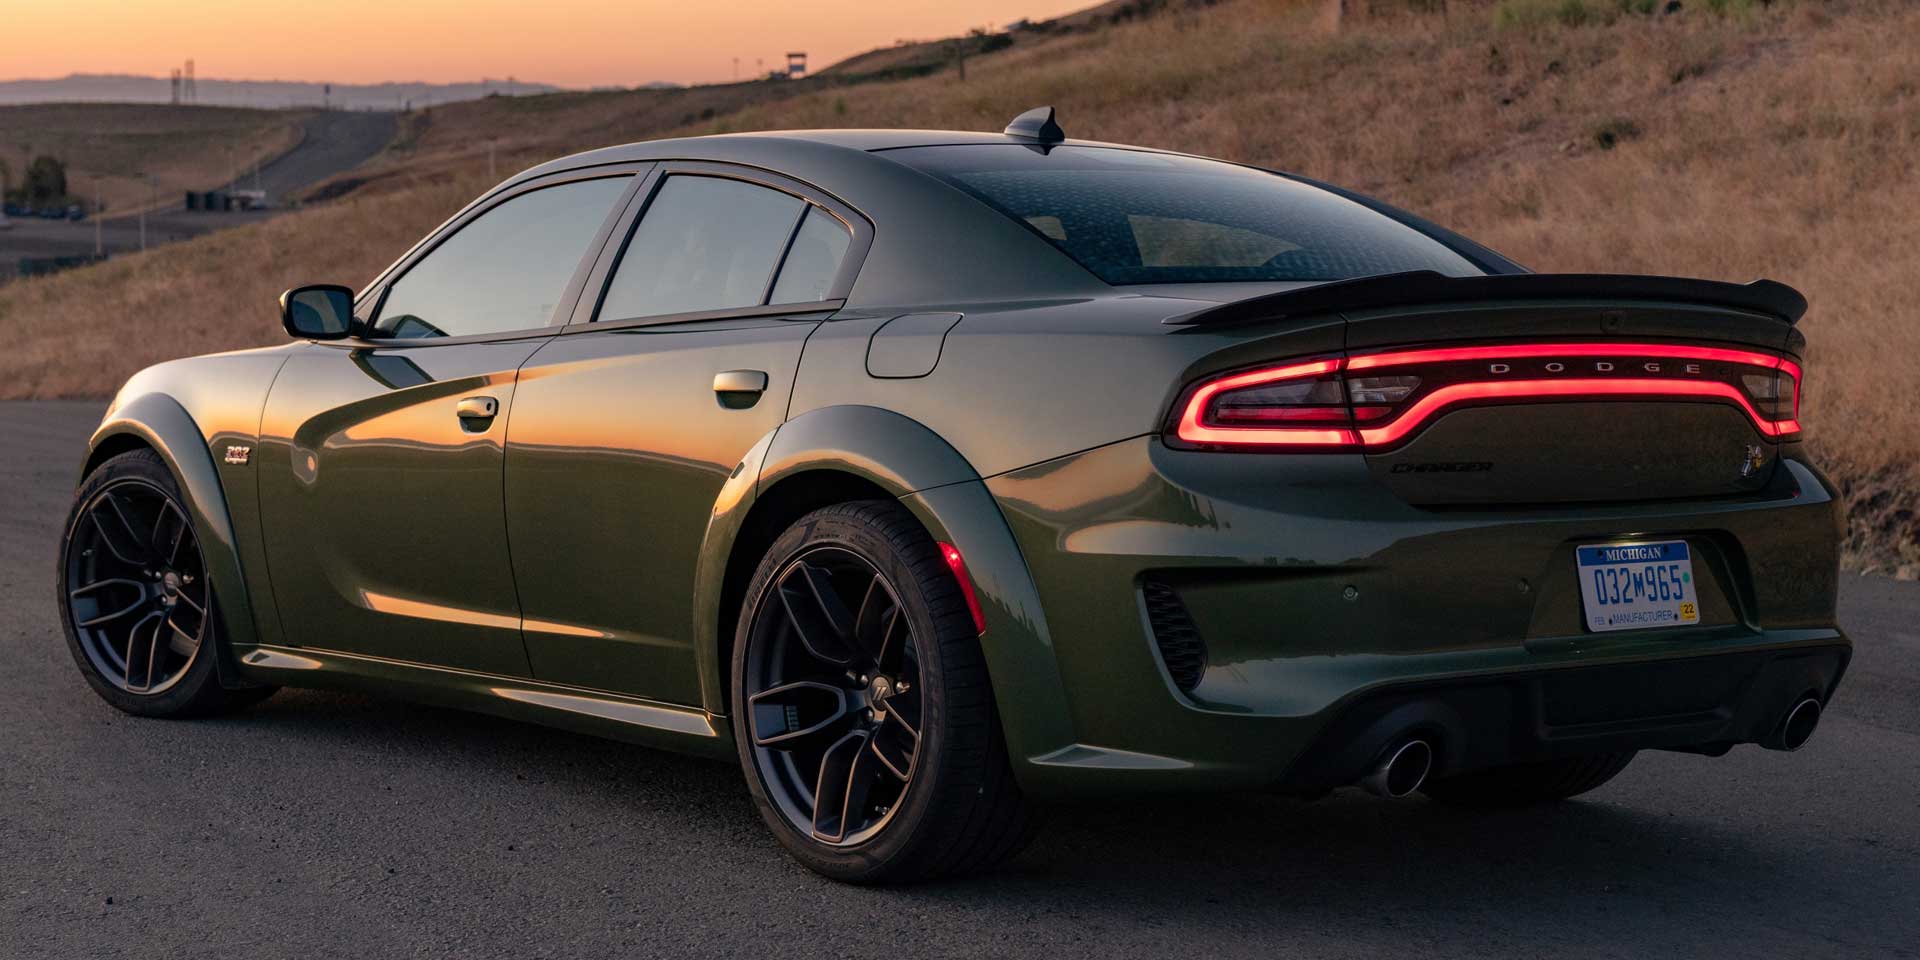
[
  {"x": 626, "y": 425},
  {"x": 381, "y": 457}
]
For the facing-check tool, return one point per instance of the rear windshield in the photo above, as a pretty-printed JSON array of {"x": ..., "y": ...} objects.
[{"x": 1135, "y": 217}]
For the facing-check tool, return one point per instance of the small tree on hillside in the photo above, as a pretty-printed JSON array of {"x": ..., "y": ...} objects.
[{"x": 45, "y": 181}]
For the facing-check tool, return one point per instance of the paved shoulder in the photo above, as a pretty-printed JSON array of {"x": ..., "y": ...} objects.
[{"x": 1882, "y": 686}]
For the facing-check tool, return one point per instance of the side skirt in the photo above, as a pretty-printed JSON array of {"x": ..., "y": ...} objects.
[{"x": 597, "y": 713}]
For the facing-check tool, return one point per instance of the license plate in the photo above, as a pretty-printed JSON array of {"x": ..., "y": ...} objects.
[{"x": 1631, "y": 586}]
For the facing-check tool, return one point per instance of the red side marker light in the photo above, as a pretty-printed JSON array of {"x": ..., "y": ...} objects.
[{"x": 958, "y": 565}]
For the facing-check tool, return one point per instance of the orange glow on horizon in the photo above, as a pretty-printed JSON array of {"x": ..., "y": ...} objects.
[{"x": 569, "y": 43}]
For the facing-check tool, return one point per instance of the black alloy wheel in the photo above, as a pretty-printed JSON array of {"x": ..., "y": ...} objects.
[
  {"x": 865, "y": 721},
  {"x": 137, "y": 589},
  {"x": 136, "y": 597},
  {"x": 833, "y": 701}
]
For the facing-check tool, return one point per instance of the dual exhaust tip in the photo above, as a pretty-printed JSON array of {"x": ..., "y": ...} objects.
[
  {"x": 1401, "y": 770},
  {"x": 1403, "y": 767},
  {"x": 1796, "y": 728}
]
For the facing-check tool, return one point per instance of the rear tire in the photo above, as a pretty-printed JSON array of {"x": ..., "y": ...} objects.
[
  {"x": 139, "y": 611},
  {"x": 1529, "y": 783},
  {"x": 899, "y": 637}
]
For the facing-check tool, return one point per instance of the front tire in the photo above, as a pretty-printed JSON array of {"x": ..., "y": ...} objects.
[
  {"x": 1527, "y": 784},
  {"x": 138, "y": 608},
  {"x": 862, "y": 712}
]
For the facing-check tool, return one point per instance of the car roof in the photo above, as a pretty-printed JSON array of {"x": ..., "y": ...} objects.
[
  {"x": 731, "y": 146},
  {"x": 934, "y": 243},
  {"x": 875, "y": 140}
]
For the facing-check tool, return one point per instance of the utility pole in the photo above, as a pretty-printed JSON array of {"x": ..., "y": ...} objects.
[{"x": 143, "y": 210}]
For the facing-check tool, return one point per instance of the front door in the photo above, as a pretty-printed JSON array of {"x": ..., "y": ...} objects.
[{"x": 381, "y": 458}]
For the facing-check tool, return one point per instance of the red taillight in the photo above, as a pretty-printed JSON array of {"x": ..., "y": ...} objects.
[
  {"x": 958, "y": 565},
  {"x": 1247, "y": 409},
  {"x": 1380, "y": 399}
]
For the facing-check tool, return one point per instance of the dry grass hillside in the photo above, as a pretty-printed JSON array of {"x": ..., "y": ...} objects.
[
  {"x": 109, "y": 147},
  {"x": 1727, "y": 141}
]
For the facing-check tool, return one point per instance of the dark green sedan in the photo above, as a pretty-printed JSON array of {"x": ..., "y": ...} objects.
[{"x": 939, "y": 477}]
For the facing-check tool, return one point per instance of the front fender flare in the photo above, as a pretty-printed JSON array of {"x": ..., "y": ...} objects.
[
  {"x": 163, "y": 424},
  {"x": 909, "y": 461}
]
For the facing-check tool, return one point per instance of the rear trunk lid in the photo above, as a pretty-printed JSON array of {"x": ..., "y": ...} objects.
[{"x": 1537, "y": 389}]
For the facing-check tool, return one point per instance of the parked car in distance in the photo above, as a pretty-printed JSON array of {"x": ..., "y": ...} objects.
[{"x": 933, "y": 477}]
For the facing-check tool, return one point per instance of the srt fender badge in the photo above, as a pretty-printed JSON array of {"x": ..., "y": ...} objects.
[
  {"x": 1466, "y": 466},
  {"x": 238, "y": 454},
  {"x": 1753, "y": 460}
]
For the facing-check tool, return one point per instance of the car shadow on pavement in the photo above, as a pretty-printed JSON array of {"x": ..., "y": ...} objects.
[{"x": 1565, "y": 873}]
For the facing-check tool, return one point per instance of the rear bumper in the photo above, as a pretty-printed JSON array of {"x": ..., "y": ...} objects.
[
  {"x": 1703, "y": 704},
  {"x": 1328, "y": 608}
]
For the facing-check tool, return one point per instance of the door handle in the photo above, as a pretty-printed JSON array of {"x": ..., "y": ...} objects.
[
  {"x": 477, "y": 408},
  {"x": 740, "y": 381}
]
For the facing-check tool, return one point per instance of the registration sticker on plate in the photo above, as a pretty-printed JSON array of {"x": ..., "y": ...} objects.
[{"x": 1627, "y": 586}]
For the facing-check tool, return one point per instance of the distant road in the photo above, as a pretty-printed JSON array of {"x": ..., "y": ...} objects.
[
  {"x": 341, "y": 825},
  {"x": 334, "y": 141},
  {"x": 331, "y": 142}
]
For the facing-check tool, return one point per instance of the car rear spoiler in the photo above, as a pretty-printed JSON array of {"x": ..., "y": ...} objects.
[{"x": 1768, "y": 297}]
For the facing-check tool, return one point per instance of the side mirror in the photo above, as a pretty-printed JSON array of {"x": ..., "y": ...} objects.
[{"x": 321, "y": 311}]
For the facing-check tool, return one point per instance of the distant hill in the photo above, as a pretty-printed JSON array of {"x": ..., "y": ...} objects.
[{"x": 128, "y": 88}]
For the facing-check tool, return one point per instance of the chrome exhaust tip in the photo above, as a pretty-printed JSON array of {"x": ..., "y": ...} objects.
[
  {"x": 1401, "y": 770},
  {"x": 1796, "y": 728}
]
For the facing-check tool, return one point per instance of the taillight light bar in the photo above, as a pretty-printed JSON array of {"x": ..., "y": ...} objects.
[
  {"x": 1335, "y": 431},
  {"x": 1377, "y": 400}
]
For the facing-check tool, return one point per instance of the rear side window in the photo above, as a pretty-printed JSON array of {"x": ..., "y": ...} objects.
[
  {"x": 505, "y": 270},
  {"x": 704, "y": 243},
  {"x": 814, "y": 259},
  {"x": 1135, "y": 217}
]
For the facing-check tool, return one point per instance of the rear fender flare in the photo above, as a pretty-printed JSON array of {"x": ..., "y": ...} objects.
[
  {"x": 160, "y": 422},
  {"x": 930, "y": 478}
]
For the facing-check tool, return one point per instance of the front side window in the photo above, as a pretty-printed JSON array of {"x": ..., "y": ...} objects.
[
  {"x": 1135, "y": 217},
  {"x": 704, "y": 243},
  {"x": 505, "y": 270}
]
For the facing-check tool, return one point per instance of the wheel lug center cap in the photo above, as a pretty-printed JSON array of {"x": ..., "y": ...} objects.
[
  {"x": 880, "y": 689},
  {"x": 169, "y": 586}
]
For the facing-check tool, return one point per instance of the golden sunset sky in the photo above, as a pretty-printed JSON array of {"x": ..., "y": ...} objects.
[{"x": 573, "y": 43}]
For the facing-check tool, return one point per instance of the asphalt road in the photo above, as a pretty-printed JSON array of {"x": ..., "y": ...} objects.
[
  {"x": 333, "y": 142},
  {"x": 322, "y": 824}
]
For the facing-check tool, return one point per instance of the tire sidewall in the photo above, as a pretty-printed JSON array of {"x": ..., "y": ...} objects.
[{"x": 910, "y": 826}]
